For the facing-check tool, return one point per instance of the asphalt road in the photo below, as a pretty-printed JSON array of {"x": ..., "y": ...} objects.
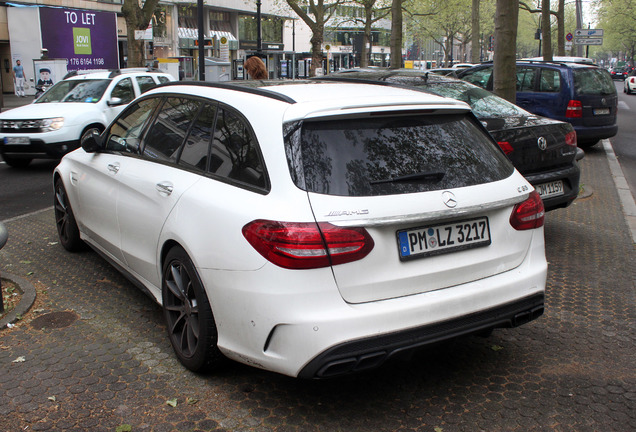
[{"x": 624, "y": 143}]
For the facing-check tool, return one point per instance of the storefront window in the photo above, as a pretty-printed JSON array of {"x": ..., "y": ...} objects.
[
  {"x": 272, "y": 28},
  {"x": 220, "y": 21}
]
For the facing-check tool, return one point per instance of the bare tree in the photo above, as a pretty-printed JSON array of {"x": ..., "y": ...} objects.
[
  {"x": 372, "y": 14},
  {"x": 137, "y": 18},
  {"x": 546, "y": 26},
  {"x": 321, "y": 13},
  {"x": 505, "y": 62}
]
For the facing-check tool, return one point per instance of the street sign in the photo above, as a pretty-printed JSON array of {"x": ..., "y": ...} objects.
[
  {"x": 588, "y": 33},
  {"x": 588, "y": 41},
  {"x": 568, "y": 37}
]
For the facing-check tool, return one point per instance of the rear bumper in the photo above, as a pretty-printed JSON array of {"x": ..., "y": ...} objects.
[
  {"x": 592, "y": 134},
  {"x": 569, "y": 175},
  {"x": 368, "y": 353},
  {"x": 302, "y": 327}
]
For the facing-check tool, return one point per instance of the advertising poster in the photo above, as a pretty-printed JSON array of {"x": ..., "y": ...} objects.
[{"x": 87, "y": 39}]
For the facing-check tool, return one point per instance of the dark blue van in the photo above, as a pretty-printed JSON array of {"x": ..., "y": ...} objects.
[{"x": 581, "y": 94}]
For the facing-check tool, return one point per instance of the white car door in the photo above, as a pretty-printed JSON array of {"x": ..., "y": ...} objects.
[{"x": 153, "y": 184}]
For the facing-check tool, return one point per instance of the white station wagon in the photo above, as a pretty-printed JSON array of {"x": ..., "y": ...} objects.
[{"x": 311, "y": 229}]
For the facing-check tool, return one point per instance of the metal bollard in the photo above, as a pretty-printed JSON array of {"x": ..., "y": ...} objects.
[{"x": 4, "y": 235}]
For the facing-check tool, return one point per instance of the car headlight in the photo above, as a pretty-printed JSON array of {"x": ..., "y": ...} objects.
[{"x": 52, "y": 123}]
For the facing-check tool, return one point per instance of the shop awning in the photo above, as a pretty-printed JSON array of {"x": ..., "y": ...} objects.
[
  {"x": 188, "y": 33},
  {"x": 219, "y": 34}
]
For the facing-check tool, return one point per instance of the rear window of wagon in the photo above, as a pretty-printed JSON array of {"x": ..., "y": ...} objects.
[
  {"x": 593, "y": 81},
  {"x": 392, "y": 155}
]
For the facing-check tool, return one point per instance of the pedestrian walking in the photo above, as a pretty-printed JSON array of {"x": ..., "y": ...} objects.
[
  {"x": 18, "y": 79},
  {"x": 256, "y": 68}
]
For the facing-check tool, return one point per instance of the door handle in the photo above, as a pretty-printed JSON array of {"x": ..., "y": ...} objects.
[{"x": 165, "y": 188}]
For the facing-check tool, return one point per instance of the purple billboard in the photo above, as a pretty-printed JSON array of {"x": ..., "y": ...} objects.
[{"x": 87, "y": 39}]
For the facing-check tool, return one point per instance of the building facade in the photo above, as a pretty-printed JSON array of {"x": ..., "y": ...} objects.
[{"x": 60, "y": 35}]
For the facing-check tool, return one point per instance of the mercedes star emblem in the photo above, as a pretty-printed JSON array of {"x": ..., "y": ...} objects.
[{"x": 449, "y": 199}]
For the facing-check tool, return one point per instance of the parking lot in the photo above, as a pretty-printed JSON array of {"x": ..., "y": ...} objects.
[{"x": 92, "y": 352}]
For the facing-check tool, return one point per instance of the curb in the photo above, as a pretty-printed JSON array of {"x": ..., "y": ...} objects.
[
  {"x": 624, "y": 193},
  {"x": 27, "y": 300}
]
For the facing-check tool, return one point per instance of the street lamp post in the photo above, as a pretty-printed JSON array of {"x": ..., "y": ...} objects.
[
  {"x": 259, "y": 37},
  {"x": 201, "y": 40}
]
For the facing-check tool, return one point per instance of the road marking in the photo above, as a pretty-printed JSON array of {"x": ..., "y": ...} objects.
[
  {"x": 624, "y": 193},
  {"x": 622, "y": 105}
]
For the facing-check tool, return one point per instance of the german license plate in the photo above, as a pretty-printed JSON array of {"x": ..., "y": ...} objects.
[
  {"x": 17, "y": 140},
  {"x": 551, "y": 189},
  {"x": 601, "y": 111},
  {"x": 446, "y": 238}
]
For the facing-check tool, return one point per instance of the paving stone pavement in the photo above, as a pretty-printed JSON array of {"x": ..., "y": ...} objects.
[{"x": 107, "y": 362}]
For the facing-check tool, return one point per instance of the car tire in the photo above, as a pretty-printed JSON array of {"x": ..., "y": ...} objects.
[
  {"x": 67, "y": 229},
  {"x": 628, "y": 90},
  {"x": 16, "y": 162},
  {"x": 188, "y": 314}
]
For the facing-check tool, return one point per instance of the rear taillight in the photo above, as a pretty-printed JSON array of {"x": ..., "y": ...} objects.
[
  {"x": 574, "y": 109},
  {"x": 529, "y": 214},
  {"x": 632, "y": 80},
  {"x": 570, "y": 138},
  {"x": 295, "y": 245},
  {"x": 505, "y": 146}
]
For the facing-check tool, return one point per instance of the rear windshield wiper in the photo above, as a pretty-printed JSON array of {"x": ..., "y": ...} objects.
[{"x": 425, "y": 175}]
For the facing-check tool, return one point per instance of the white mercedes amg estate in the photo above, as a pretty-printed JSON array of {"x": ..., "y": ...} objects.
[{"x": 311, "y": 229}]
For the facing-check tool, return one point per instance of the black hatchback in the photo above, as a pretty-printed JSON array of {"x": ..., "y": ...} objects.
[{"x": 543, "y": 150}]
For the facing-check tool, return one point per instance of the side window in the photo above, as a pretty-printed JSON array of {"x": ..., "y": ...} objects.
[
  {"x": 196, "y": 151},
  {"x": 235, "y": 152},
  {"x": 479, "y": 77},
  {"x": 145, "y": 83},
  {"x": 124, "y": 135},
  {"x": 525, "y": 79},
  {"x": 168, "y": 131},
  {"x": 550, "y": 81},
  {"x": 124, "y": 90},
  {"x": 163, "y": 79}
]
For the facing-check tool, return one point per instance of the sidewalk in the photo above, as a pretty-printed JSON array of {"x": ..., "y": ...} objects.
[{"x": 10, "y": 100}]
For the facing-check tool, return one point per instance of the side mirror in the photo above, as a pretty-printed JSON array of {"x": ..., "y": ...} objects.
[
  {"x": 115, "y": 101},
  {"x": 92, "y": 143}
]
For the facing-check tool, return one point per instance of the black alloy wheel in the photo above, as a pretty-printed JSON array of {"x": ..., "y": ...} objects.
[
  {"x": 67, "y": 229},
  {"x": 188, "y": 314}
]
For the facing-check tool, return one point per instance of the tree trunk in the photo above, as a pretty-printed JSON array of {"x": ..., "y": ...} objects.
[
  {"x": 561, "y": 28},
  {"x": 396, "y": 34},
  {"x": 505, "y": 62},
  {"x": 365, "y": 54},
  {"x": 546, "y": 30},
  {"x": 316, "y": 49},
  {"x": 475, "y": 50},
  {"x": 137, "y": 19}
]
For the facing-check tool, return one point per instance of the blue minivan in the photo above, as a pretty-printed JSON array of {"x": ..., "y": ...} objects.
[{"x": 579, "y": 93}]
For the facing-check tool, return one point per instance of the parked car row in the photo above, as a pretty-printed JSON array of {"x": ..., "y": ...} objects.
[
  {"x": 578, "y": 93},
  {"x": 317, "y": 228}
]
